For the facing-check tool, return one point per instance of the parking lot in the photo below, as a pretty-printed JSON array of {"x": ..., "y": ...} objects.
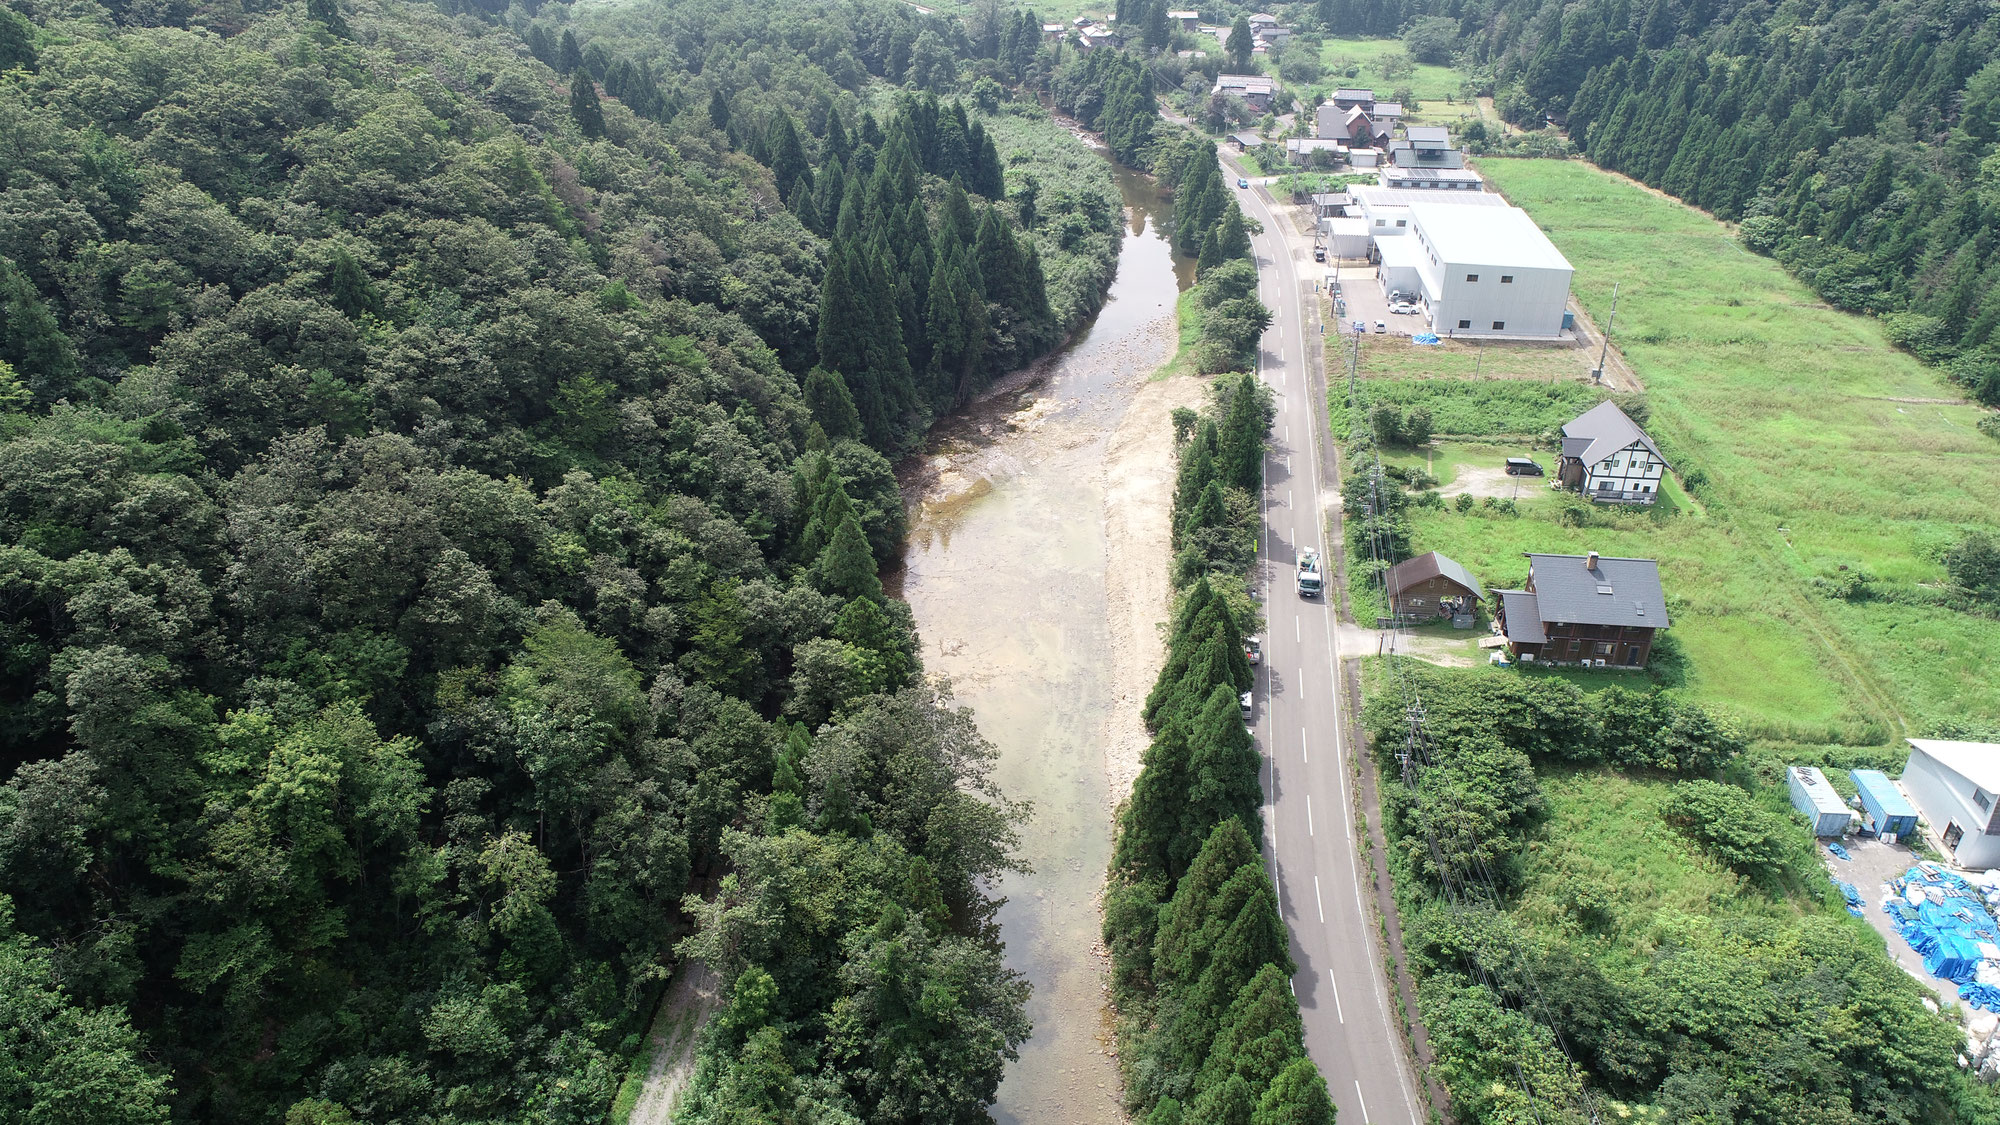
[{"x": 1367, "y": 303}]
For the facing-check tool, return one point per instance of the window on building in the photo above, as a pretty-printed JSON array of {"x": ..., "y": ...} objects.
[
  {"x": 1604, "y": 486},
  {"x": 1506, "y": 279},
  {"x": 1499, "y": 325},
  {"x": 1472, "y": 277},
  {"x": 1603, "y": 649},
  {"x": 1402, "y": 222},
  {"x": 1381, "y": 222},
  {"x": 1983, "y": 799},
  {"x": 1465, "y": 324}
]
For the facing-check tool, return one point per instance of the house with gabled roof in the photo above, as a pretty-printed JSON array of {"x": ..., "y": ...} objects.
[
  {"x": 1608, "y": 458},
  {"x": 1588, "y": 610},
  {"x": 1432, "y": 585}
]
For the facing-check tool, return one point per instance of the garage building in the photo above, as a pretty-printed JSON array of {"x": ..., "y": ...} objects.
[{"x": 1488, "y": 271}]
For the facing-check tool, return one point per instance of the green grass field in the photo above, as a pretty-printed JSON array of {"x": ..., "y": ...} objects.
[
  {"x": 1603, "y": 832},
  {"x": 1384, "y": 65},
  {"x": 1800, "y": 418}
]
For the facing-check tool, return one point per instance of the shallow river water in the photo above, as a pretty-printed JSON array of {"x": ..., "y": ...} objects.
[{"x": 1006, "y": 569}]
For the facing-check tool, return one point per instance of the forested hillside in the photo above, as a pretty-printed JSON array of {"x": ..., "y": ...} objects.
[
  {"x": 440, "y": 508},
  {"x": 1853, "y": 141}
]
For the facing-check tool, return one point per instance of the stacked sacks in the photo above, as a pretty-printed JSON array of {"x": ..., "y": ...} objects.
[{"x": 1946, "y": 921}]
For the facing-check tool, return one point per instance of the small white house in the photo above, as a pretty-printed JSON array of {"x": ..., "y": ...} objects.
[
  {"x": 1607, "y": 457},
  {"x": 1953, "y": 784},
  {"x": 1816, "y": 797}
]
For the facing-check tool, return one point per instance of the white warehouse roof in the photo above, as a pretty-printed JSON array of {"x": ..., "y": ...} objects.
[
  {"x": 1404, "y": 197},
  {"x": 1977, "y": 762},
  {"x": 1485, "y": 237}
]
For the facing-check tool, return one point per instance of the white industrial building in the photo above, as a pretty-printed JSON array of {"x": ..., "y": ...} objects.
[
  {"x": 1485, "y": 271},
  {"x": 1953, "y": 785},
  {"x": 1387, "y": 210}
]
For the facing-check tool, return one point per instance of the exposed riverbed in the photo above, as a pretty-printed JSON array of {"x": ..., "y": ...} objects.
[{"x": 1036, "y": 568}]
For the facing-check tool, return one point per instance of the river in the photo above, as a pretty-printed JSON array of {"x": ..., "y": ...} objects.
[{"x": 1008, "y": 569}]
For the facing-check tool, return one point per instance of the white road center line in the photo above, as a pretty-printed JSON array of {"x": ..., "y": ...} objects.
[
  {"x": 1305, "y": 750},
  {"x": 1317, "y": 902},
  {"x": 1364, "y": 1101},
  {"x": 1309, "y": 814}
]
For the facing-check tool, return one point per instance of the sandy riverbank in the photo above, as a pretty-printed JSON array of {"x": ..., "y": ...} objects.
[{"x": 1138, "y": 506}]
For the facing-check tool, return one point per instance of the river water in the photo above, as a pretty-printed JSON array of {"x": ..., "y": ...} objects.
[{"x": 1006, "y": 570}]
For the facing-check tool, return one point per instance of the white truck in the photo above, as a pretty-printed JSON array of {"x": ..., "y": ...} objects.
[{"x": 1310, "y": 580}]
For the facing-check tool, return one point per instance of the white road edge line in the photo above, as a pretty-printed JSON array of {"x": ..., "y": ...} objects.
[
  {"x": 1309, "y": 816},
  {"x": 1318, "y": 902},
  {"x": 1339, "y": 740}
]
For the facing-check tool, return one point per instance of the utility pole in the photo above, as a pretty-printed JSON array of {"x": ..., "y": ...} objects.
[{"x": 1597, "y": 375}]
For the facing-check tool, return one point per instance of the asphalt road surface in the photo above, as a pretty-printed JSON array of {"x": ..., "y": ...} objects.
[{"x": 1309, "y": 821}]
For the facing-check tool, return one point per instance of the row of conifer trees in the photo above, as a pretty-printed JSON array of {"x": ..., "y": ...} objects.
[{"x": 1200, "y": 956}]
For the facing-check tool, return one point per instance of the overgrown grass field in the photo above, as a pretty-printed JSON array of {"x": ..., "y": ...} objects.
[{"x": 1820, "y": 445}]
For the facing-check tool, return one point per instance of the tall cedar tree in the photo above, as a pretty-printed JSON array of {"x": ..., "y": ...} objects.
[
  {"x": 584, "y": 106},
  {"x": 1243, "y": 429},
  {"x": 569, "y": 57},
  {"x": 1239, "y": 46}
]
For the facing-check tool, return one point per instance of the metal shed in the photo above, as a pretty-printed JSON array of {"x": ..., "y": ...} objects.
[
  {"x": 1884, "y": 809},
  {"x": 1814, "y": 796}
]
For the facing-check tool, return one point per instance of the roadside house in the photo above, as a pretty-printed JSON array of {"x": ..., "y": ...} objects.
[
  {"x": 1430, "y": 586},
  {"x": 1607, "y": 457},
  {"x": 1256, "y": 90},
  {"x": 1587, "y": 610}
]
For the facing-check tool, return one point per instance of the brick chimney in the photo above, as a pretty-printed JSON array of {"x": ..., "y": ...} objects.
[{"x": 1590, "y": 561}]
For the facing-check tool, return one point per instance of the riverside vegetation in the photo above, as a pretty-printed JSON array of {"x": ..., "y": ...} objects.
[{"x": 443, "y": 473}]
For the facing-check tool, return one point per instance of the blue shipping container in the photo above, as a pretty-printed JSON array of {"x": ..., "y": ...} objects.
[{"x": 1884, "y": 809}]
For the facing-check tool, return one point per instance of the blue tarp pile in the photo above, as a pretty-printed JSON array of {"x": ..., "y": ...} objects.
[
  {"x": 1839, "y": 852},
  {"x": 1980, "y": 996},
  {"x": 1428, "y": 339},
  {"x": 1944, "y": 919},
  {"x": 1852, "y": 894}
]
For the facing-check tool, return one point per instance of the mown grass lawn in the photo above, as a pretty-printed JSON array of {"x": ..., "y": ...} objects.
[{"x": 1800, "y": 418}]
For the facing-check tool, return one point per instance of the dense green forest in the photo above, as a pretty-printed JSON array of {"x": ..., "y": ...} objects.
[
  {"x": 1855, "y": 142},
  {"x": 443, "y": 476},
  {"x": 1682, "y": 961}
]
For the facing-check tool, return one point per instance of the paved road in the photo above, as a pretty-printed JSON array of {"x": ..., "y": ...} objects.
[{"x": 1309, "y": 785}]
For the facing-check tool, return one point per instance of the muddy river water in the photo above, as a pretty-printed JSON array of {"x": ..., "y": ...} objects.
[{"x": 1009, "y": 568}]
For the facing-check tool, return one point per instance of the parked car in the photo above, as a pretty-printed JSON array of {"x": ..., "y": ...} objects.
[
  {"x": 1360, "y": 327},
  {"x": 1253, "y": 650},
  {"x": 1241, "y": 182},
  {"x": 1381, "y": 326},
  {"x": 1523, "y": 467},
  {"x": 1244, "y": 701},
  {"x": 1319, "y": 253},
  {"x": 1403, "y": 308}
]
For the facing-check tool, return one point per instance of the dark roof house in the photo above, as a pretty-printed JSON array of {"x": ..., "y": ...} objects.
[
  {"x": 1431, "y": 585},
  {"x": 1606, "y": 456},
  {"x": 1585, "y": 609}
]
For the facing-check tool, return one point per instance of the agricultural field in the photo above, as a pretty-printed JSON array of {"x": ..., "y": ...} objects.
[{"x": 1810, "y": 444}]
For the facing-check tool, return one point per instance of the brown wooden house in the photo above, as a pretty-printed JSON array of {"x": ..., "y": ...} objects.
[
  {"x": 1431, "y": 586},
  {"x": 1584, "y": 609}
]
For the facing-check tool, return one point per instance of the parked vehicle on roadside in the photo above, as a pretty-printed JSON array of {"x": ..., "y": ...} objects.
[
  {"x": 1319, "y": 253},
  {"x": 1403, "y": 308},
  {"x": 1381, "y": 326},
  {"x": 1253, "y": 650},
  {"x": 1245, "y": 702}
]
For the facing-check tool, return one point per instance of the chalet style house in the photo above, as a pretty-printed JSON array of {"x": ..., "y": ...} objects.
[
  {"x": 1584, "y": 609},
  {"x": 1432, "y": 586},
  {"x": 1607, "y": 457}
]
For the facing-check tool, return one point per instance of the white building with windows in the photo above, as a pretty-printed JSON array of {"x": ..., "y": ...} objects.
[
  {"x": 1953, "y": 785},
  {"x": 1606, "y": 456},
  {"x": 1387, "y": 210},
  {"x": 1487, "y": 271}
]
